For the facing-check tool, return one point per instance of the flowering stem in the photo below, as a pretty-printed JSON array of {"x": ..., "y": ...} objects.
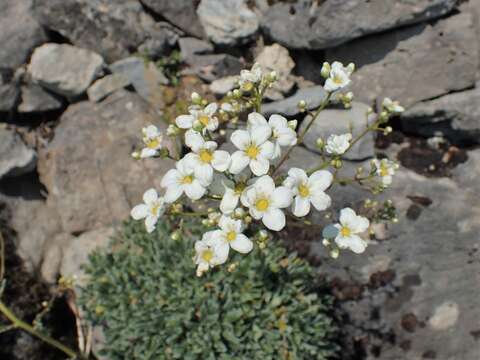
[
  {"x": 181, "y": 213},
  {"x": 302, "y": 135},
  {"x": 19, "y": 324}
]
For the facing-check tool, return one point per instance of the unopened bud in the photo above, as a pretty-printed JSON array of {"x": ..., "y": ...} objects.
[
  {"x": 237, "y": 94},
  {"x": 136, "y": 155},
  {"x": 320, "y": 143},
  {"x": 248, "y": 219},
  {"x": 175, "y": 235},
  {"x": 325, "y": 72},
  {"x": 326, "y": 242},
  {"x": 292, "y": 124},
  {"x": 263, "y": 235},
  {"x": 348, "y": 96},
  {"x": 239, "y": 213},
  {"x": 272, "y": 76},
  {"x": 338, "y": 163},
  {"x": 302, "y": 105},
  {"x": 334, "y": 253},
  {"x": 351, "y": 68},
  {"x": 196, "y": 98},
  {"x": 197, "y": 125},
  {"x": 387, "y": 130},
  {"x": 173, "y": 130}
]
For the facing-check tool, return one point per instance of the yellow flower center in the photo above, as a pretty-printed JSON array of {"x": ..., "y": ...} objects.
[
  {"x": 206, "y": 156},
  {"x": 207, "y": 255},
  {"x": 153, "y": 143},
  {"x": 155, "y": 209},
  {"x": 303, "y": 190},
  {"x": 247, "y": 86},
  {"x": 383, "y": 170},
  {"x": 187, "y": 179},
  {"x": 337, "y": 79},
  {"x": 345, "y": 231},
  {"x": 204, "y": 119},
  {"x": 231, "y": 235},
  {"x": 262, "y": 204},
  {"x": 252, "y": 151}
]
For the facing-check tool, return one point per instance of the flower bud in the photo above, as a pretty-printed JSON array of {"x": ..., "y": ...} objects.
[
  {"x": 334, "y": 253},
  {"x": 237, "y": 94},
  {"x": 248, "y": 219},
  {"x": 136, "y": 155},
  {"x": 326, "y": 242},
  {"x": 196, "y": 99},
  {"x": 320, "y": 143},
  {"x": 272, "y": 76},
  {"x": 348, "y": 96},
  {"x": 325, "y": 72},
  {"x": 175, "y": 235},
  {"x": 292, "y": 124},
  {"x": 239, "y": 213},
  {"x": 351, "y": 67},
  {"x": 173, "y": 130},
  {"x": 302, "y": 105},
  {"x": 387, "y": 130},
  {"x": 197, "y": 125},
  {"x": 263, "y": 235}
]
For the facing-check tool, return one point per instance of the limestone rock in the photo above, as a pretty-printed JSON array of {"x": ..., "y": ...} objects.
[
  {"x": 65, "y": 69},
  {"x": 190, "y": 47},
  {"x": 103, "y": 87},
  {"x": 87, "y": 168},
  {"x": 313, "y": 96},
  {"x": 414, "y": 63},
  {"x": 214, "y": 66},
  {"x": 35, "y": 99},
  {"x": 9, "y": 90},
  {"x": 228, "y": 22},
  {"x": 306, "y": 24},
  {"x": 223, "y": 85},
  {"x": 338, "y": 121},
  {"x": 15, "y": 157}
]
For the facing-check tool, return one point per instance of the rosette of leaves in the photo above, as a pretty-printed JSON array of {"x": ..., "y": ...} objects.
[{"x": 144, "y": 293}]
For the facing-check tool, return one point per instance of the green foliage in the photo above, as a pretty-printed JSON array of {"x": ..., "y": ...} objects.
[{"x": 145, "y": 294}]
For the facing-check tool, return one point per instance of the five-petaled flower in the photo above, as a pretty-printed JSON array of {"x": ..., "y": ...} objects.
[
  {"x": 308, "y": 190},
  {"x": 151, "y": 210},
  {"x": 205, "y": 117},
  {"x": 250, "y": 78},
  {"x": 282, "y": 134},
  {"x": 349, "y": 226},
  {"x": 207, "y": 254},
  {"x": 264, "y": 202},
  {"x": 339, "y": 76},
  {"x": 152, "y": 138},
  {"x": 392, "y": 106},
  {"x": 183, "y": 180},
  {"x": 385, "y": 169},
  {"x": 254, "y": 150},
  {"x": 205, "y": 156},
  {"x": 338, "y": 144},
  {"x": 230, "y": 236}
]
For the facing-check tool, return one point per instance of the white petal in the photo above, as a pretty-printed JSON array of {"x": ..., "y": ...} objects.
[
  {"x": 194, "y": 190},
  {"x": 212, "y": 124},
  {"x": 210, "y": 109},
  {"x": 277, "y": 151},
  {"x": 267, "y": 149},
  {"x": 298, "y": 175},
  {"x": 241, "y": 139},
  {"x": 170, "y": 178},
  {"x": 264, "y": 185},
  {"x": 278, "y": 121},
  {"x": 260, "y": 166},
  {"x": 229, "y": 201},
  {"x": 194, "y": 140},
  {"x": 248, "y": 197},
  {"x": 150, "y": 222},
  {"x": 274, "y": 219},
  {"x": 239, "y": 161},
  {"x": 173, "y": 193},
  {"x": 300, "y": 206},
  {"x": 320, "y": 201},
  {"x": 257, "y": 215},
  {"x": 139, "y": 212},
  {"x": 221, "y": 160},
  {"x": 204, "y": 173},
  {"x": 347, "y": 217},
  {"x": 184, "y": 121},
  {"x": 221, "y": 251},
  {"x": 255, "y": 119},
  {"x": 282, "y": 197},
  {"x": 150, "y": 196},
  {"x": 321, "y": 180},
  {"x": 260, "y": 134},
  {"x": 147, "y": 152},
  {"x": 353, "y": 242},
  {"x": 286, "y": 137},
  {"x": 242, "y": 244},
  {"x": 360, "y": 224}
]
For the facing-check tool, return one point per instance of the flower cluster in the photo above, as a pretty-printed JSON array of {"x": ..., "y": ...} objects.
[{"x": 249, "y": 195}]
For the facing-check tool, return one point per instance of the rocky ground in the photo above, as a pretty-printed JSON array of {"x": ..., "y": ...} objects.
[{"x": 79, "y": 78}]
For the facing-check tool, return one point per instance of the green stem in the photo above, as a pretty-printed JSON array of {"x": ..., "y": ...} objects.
[{"x": 17, "y": 323}]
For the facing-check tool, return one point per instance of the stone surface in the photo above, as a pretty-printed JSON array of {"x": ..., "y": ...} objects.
[
  {"x": 415, "y": 63},
  {"x": 340, "y": 121},
  {"x": 228, "y": 22},
  {"x": 9, "y": 90},
  {"x": 64, "y": 69},
  {"x": 308, "y": 25},
  {"x": 190, "y": 47},
  {"x": 19, "y": 33},
  {"x": 276, "y": 58},
  {"x": 15, "y": 157},
  {"x": 313, "y": 96},
  {"x": 34, "y": 99},
  {"x": 456, "y": 115},
  {"x": 215, "y": 66},
  {"x": 145, "y": 77},
  {"x": 87, "y": 168},
  {"x": 223, "y": 85},
  {"x": 181, "y": 13},
  {"x": 103, "y": 87}
]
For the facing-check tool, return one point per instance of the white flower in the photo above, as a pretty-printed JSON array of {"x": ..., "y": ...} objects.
[
  {"x": 339, "y": 76},
  {"x": 338, "y": 144},
  {"x": 385, "y": 169},
  {"x": 392, "y": 106},
  {"x": 207, "y": 254},
  {"x": 183, "y": 180},
  {"x": 282, "y": 133},
  {"x": 265, "y": 201},
  {"x": 230, "y": 236},
  {"x": 205, "y": 157},
  {"x": 204, "y": 116},
  {"x": 254, "y": 150},
  {"x": 152, "y": 138},
  {"x": 249, "y": 78},
  {"x": 308, "y": 190},
  {"x": 350, "y": 225},
  {"x": 151, "y": 210}
]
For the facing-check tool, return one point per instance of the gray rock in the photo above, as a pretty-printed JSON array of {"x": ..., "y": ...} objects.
[
  {"x": 103, "y": 87},
  {"x": 19, "y": 33},
  {"x": 160, "y": 40},
  {"x": 96, "y": 185},
  {"x": 36, "y": 99},
  {"x": 313, "y": 96},
  {"x": 457, "y": 115},
  {"x": 180, "y": 13},
  {"x": 223, "y": 85},
  {"x": 339, "y": 121},
  {"x": 276, "y": 58},
  {"x": 9, "y": 90},
  {"x": 190, "y": 47},
  {"x": 15, "y": 157},
  {"x": 145, "y": 77},
  {"x": 415, "y": 63},
  {"x": 228, "y": 22},
  {"x": 215, "y": 66},
  {"x": 308, "y": 25},
  {"x": 64, "y": 69}
]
